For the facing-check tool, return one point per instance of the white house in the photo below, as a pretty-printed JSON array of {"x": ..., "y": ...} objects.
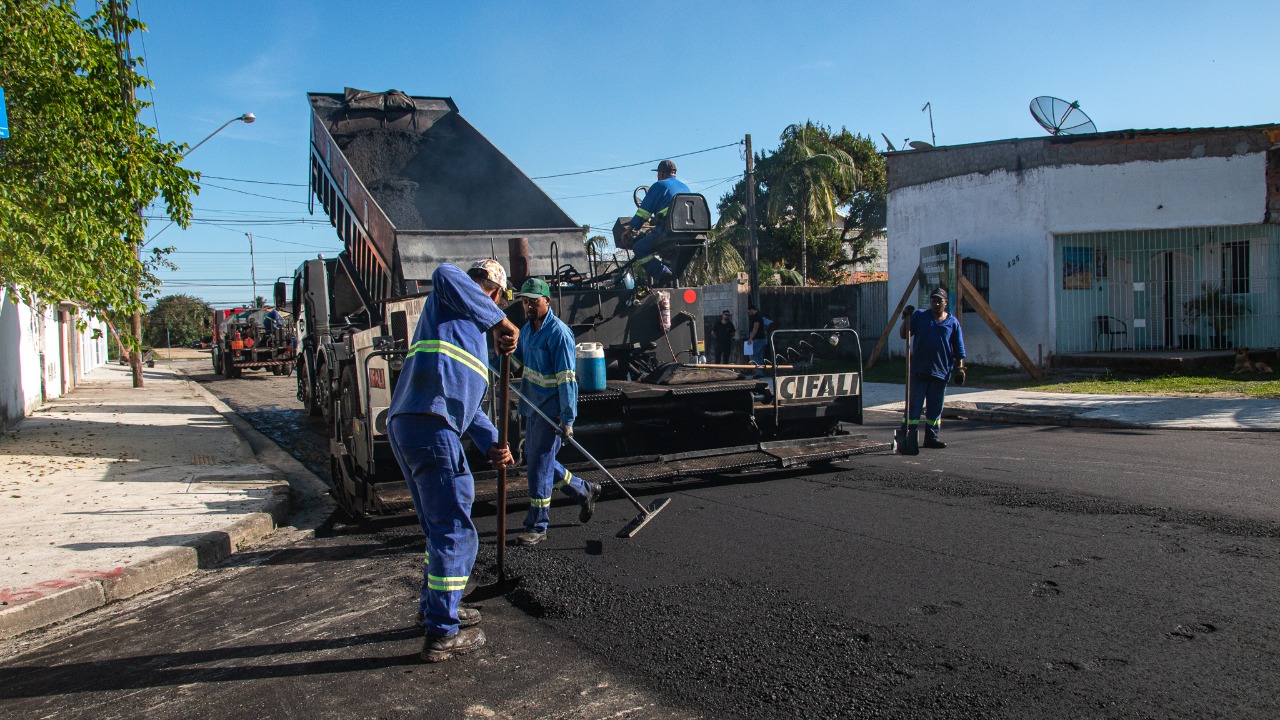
[
  {"x": 43, "y": 355},
  {"x": 1130, "y": 232}
]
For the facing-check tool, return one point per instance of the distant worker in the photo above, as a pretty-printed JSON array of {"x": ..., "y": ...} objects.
[
  {"x": 270, "y": 323},
  {"x": 723, "y": 333},
  {"x": 546, "y": 350},
  {"x": 758, "y": 336},
  {"x": 444, "y": 380},
  {"x": 937, "y": 350},
  {"x": 656, "y": 203}
]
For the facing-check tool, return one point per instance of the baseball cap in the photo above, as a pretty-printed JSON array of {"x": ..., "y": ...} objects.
[
  {"x": 534, "y": 288},
  {"x": 490, "y": 270},
  {"x": 667, "y": 166},
  {"x": 939, "y": 293}
]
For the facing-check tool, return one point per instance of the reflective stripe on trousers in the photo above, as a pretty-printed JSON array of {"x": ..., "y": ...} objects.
[{"x": 541, "y": 443}]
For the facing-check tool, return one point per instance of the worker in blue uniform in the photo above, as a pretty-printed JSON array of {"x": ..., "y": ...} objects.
[
  {"x": 546, "y": 352},
  {"x": 656, "y": 204},
  {"x": 937, "y": 353},
  {"x": 444, "y": 379}
]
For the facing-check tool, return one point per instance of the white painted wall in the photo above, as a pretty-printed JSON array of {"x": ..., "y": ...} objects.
[
  {"x": 1009, "y": 220},
  {"x": 26, "y": 336}
]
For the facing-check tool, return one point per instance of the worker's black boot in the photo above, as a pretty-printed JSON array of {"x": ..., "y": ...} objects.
[
  {"x": 931, "y": 441},
  {"x": 437, "y": 648},
  {"x": 589, "y": 505}
]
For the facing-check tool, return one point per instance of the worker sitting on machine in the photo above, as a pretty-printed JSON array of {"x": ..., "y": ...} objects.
[{"x": 656, "y": 203}]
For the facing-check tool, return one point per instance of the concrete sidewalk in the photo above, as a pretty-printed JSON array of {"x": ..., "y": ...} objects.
[
  {"x": 111, "y": 491},
  {"x": 1105, "y": 411}
]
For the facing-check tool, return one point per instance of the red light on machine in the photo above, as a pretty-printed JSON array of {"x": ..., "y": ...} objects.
[{"x": 690, "y": 297}]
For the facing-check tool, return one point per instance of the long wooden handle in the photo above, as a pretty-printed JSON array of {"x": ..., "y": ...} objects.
[{"x": 503, "y": 414}]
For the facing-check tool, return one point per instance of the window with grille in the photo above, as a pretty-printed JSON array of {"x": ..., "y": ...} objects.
[
  {"x": 1235, "y": 267},
  {"x": 979, "y": 274}
]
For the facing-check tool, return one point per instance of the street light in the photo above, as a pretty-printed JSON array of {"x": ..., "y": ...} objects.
[
  {"x": 246, "y": 118},
  {"x": 135, "y": 359}
]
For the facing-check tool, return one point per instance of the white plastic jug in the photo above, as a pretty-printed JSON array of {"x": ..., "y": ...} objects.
[{"x": 590, "y": 364}]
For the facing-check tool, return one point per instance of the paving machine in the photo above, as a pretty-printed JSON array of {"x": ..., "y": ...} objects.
[{"x": 409, "y": 184}]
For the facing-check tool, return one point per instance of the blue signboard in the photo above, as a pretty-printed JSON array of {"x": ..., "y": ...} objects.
[{"x": 4, "y": 117}]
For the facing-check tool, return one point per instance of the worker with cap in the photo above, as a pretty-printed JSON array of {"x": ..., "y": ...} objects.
[
  {"x": 438, "y": 397},
  {"x": 656, "y": 203},
  {"x": 937, "y": 352},
  {"x": 546, "y": 352}
]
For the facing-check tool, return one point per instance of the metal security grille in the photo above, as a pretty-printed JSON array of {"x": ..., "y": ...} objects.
[{"x": 1185, "y": 289}]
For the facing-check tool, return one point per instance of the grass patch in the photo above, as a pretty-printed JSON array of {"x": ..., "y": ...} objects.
[{"x": 1221, "y": 383}]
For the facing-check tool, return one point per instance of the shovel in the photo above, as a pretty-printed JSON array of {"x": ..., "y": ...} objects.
[
  {"x": 646, "y": 513},
  {"x": 906, "y": 442},
  {"x": 504, "y": 584}
]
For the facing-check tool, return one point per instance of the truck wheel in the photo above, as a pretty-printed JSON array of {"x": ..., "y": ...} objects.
[
  {"x": 324, "y": 395},
  {"x": 307, "y": 389},
  {"x": 217, "y": 362},
  {"x": 349, "y": 406},
  {"x": 229, "y": 370},
  {"x": 286, "y": 370}
]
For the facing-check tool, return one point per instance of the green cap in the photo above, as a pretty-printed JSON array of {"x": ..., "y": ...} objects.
[{"x": 534, "y": 288}]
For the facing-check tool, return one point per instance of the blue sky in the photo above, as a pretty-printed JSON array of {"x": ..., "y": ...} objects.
[{"x": 569, "y": 86}]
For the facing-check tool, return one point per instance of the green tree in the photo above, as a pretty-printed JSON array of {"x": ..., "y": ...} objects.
[
  {"x": 807, "y": 177},
  {"x": 78, "y": 165},
  {"x": 178, "y": 321},
  {"x": 802, "y": 188}
]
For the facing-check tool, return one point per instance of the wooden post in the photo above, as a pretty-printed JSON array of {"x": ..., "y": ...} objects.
[
  {"x": 957, "y": 308},
  {"x": 753, "y": 247},
  {"x": 989, "y": 316},
  {"x": 893, "y": 321}
]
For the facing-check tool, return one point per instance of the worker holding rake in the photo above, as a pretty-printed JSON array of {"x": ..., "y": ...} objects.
[{"x": 546, "y": 351}]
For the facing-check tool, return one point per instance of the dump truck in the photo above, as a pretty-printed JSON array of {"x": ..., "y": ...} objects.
[
  {"x": 245, "y": 339},
  {"x": 409, "y": 184}
]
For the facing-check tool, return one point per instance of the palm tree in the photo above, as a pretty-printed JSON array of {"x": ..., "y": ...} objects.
[{"x": 814, "y": 173}]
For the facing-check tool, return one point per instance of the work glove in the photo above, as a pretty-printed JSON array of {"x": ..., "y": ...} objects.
[
  {"x": 566, "y": 430},
  {"x": 957, "y": 376},
  {"x": 906, "y": 311}
]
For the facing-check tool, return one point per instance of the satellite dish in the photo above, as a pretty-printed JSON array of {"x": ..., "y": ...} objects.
[
  {"x": 888, "y": 142},
  {"x": 920, "y": 145},
  {"x": 1060, "y": 117}
]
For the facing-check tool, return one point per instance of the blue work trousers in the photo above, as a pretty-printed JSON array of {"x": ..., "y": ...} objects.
[
  {"x": 927, "y": 393},
  {"x": 541, "y": 443},
  {"x": 431, "y": 458},
  {"x": 654, "y": 267}
]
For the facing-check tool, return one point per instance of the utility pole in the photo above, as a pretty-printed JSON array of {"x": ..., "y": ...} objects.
[
  {"x": 117, "y": 11},
  {"x": 253, "y": 273},
  {"x": 753, "y": 248}
]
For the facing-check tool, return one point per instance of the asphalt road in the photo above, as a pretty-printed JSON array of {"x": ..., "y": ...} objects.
[{"x": 1026, "y": 571}]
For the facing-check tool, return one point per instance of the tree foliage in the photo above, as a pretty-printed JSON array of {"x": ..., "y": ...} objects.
[
  {"x": 184, "y": 318},
  {"x": 820, "y": 196},
  {"x": 78, "y": 165}
]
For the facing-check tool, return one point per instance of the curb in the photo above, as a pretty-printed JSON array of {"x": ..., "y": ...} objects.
[{"x": 204, "y": 551}]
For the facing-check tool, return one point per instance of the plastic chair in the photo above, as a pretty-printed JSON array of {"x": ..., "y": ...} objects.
[{"x": 1110, "y": 327}]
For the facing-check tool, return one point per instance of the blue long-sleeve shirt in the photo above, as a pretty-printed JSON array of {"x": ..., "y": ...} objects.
[
  {"x": 936, "y": 346},
  {"x": 550, "y": 375},
  {"x": 445, "y": 372},
  {"x": 657, "y": 201}
]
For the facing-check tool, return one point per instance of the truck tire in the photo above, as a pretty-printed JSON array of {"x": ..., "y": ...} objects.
[
  {"x": 349, "y": 406},
  {"x": 307, "y": 389},
  {"x": 229, "y": 370},
  {"x": 217, "y": 361},
  {"x": 286, "y": 370},
  {"x": 324, "y": 395}
]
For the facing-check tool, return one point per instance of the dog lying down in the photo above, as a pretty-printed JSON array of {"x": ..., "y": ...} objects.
[{"x": 1245, "y": 365}]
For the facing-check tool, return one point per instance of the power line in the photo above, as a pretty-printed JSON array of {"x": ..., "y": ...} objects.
[
  {"x": 619, "y": 192},
  {"x": 643, "y": 162},
  {"x": 245, "y": 192},
  {"x": 256, "y": 182}
]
